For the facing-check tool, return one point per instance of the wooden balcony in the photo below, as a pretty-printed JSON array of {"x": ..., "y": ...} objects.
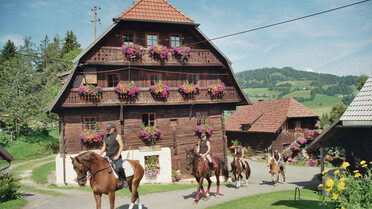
[
  {"x": 144, "y": 98},
  {"x": 114, "y": 55}
]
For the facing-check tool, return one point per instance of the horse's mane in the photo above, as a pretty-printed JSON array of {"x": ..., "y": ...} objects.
[{"x": 87, "y": 156}]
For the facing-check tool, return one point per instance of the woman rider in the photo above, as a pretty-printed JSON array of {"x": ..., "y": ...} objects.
[
  {"x": 113, "y": 146},
  {"x": 204, "y": 149},
  {"x": 278, "y": 158},
  {"x": 239, "y": 152}
]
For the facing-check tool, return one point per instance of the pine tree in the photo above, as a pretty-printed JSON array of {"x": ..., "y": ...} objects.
[
  {"x": 70, "y": 43},
  {"x": 8, "y": 51}
]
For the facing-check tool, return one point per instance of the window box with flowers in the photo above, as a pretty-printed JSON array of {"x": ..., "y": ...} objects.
[
  {"x": 203, "y": 128},
  {"x": 150, "y": 134},
  {"x": 152, "y": 167},
  {"x": 90, "y": 91},
  {"x": 133, "y": 50},
  {"x": 91, "y": 138},
  {"x": 160, "y": 91},
  {"x": 159, "y": 52},
  {"x": 128, "y": 90},
  {"x": 216, "y": 90},
  {"x": 189, "y": 89},
  {"x": 181, "y": 53}
]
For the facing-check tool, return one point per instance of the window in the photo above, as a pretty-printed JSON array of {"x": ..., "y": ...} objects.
[
  {"x": 89, "y": 122},
  {"x": 112, "y": 80},
  {"x": 152, "y": 39},
  {"x": 174, "y": 40},
  {"x": 154, "y": 79},
  {"x": 149, "y": 119},
  {"x": 128, "y": 38},
  {"x": 192, "y": 79},
  {"x": 201, "y": 117},
  {"x": 297, "y": 124},
  {"x": 285, "y": 145},
  {"x": 285, "y": 127},
  {"x": 245, "y": 127}
]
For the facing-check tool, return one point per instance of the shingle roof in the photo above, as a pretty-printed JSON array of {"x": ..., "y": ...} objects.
[
  {"x": 360, "y": 110},
  {"x": 155, "y": 10},
  {"x": 267, "y": 116}
]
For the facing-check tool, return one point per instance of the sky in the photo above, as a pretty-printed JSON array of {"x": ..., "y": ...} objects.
[{"x": 339, "y": 42}]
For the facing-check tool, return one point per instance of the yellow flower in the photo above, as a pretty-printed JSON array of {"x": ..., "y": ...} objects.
[
  {"x": 342, "y": 179},
  {"x": 362, "y": 162},
  {"x": 341, "y": 186},
  {"x": 327, "y": 189},
  {"x": 336, "y": 172},
  {"x": 345, "y": 164},
  {"x": 330, "y": 183},
  {"x": 335, "y": 195},
  {"x": 357, "y": 175},
  {"x": 320, "y": 185},
  {"x": 365, "y": 165},
  {"x": 356, "y": 171},
  {"x": 325, "y": 171},
  {"x": 342, "y": 207}
]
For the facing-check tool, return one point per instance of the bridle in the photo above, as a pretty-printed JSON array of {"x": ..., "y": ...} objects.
[
  {"x": 86, "y": 169},
  {"x": 189, "y": 162}
]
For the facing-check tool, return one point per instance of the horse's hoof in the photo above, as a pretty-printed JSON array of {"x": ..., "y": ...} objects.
[
  {"x": 205, "y": 198},
  {"x": 217, "y": 196},
  {"x": 208, "y": 196},
  {"x": 195, "y": 202}
]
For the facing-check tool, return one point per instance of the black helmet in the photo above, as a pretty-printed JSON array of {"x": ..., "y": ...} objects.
[{"x": 239, "y": 144}]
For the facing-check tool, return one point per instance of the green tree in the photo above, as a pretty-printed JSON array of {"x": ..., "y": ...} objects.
[
  {"x": 336, "y": 112},
  {"x": 8, "y": 51},
  {"x": 70, "y": 43},
  {"x": 361, "y": 81}
]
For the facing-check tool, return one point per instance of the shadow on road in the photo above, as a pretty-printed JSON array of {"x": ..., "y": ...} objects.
[
  {"x": 126, "y": 206},
  {"x": 193, "y": 195}
]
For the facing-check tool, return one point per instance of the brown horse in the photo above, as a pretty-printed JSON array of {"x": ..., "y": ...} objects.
[
  {"x": 275, "y": 170},
  {"x": 200, "y": 171},
  {"x": 103, "y": 180},
  {"x": 237, "y": 171}
]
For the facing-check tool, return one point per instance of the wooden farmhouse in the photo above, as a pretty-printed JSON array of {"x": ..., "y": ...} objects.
[
  {"x": 269, "y": 123},
  {"x": 104, "y": 64}
]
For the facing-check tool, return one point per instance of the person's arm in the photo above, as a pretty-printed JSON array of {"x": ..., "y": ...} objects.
[
  {"x": 209, "y": 148},
  {"x": 103, "y": 148},
  {"x": 243, "y": 153},
  {"x": 198, "y": 148},
  {"x": 121, "y": 147},
  {"x": 235, "y": 151}
]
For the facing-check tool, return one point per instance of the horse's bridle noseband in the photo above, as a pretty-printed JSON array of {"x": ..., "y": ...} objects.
[{"x": 86, "y": 169}]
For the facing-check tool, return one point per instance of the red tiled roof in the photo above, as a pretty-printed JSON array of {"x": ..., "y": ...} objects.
[
  {"x": 267, "y": 116},
  {"x": 155, "y": 10}
]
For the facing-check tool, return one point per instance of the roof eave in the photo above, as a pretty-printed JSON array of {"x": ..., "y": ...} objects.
[{"x": 153, "y": 21}]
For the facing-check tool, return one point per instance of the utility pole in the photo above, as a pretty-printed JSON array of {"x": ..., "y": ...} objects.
[{"x": 95, "y": 9}]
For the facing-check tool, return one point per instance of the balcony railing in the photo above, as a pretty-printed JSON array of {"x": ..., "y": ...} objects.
[
  {"x": 110, "y": 98},
  {"x": 114, "y": 55}
]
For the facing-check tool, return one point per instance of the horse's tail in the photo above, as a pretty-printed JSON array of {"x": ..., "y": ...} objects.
[
  {"x": 225, "y": 170},
  {"x": 249, "y": 169}
]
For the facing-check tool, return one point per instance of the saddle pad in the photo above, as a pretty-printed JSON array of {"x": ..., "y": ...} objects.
[
  {"x": 206, "y": 164},
  {"x": 128, "y": 168}
]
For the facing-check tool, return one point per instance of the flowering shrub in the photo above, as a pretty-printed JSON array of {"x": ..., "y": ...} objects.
[
  {"x": 152, "y": 168},
  {"x": 301, "y": 140},
  {"x": 131, "y": 50},
  {"x": 176, "y": 174},
  {"x": 203, "y": 128},
  {"x": 160, "y": 90},
  {"x": 8, "y": 187},
  {"x": 90, "y": 90},
  {"x": 159, "y": 52},
  {"x": 127, "y": 89},
  {"x": 189, "y": 88},
  {"x": 91, "y": 136},
  {"x": 150, "y": 134},
  {"x": 215, "y": 89},
  {"x": 182, "y": 53},
  {"x": 294, "y": 146},
  {"x": 311, "y": 134},
  {"x": 297, "y": 129},
  {"x": 349, "y": 189}
]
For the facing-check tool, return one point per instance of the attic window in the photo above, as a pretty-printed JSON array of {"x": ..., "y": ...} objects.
[
  {"x": 151, "y": 39},
  {"x": 245, "y": 127},
  {"x": 174, "y": 40},
  {"x": 285, "y": 127}
]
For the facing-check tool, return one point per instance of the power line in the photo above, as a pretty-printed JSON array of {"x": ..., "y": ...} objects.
[
  {"x": 77, "y": 14},
  {"x": 75, "y": 8}
]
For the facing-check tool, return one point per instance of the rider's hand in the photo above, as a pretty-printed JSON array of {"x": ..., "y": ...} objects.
[{"x": 115, "y": 158}]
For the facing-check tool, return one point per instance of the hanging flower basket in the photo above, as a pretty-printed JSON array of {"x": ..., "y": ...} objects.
[
  {"x": 150, "y": 134},
  {"x": 152, "y": 168},
  {"x": 131, "y": 50},
  {"x": 189, "y": 89},
  {"x": 91, "y": 136},
  {"x": 159, "y": 52},
  {"x": 160, "y": 90},
  {"x": 181, "y": 53},
  {"x": 90, "y": 90},
  {"x": 216, "y": 89},
  {"x": 301, "y": 140},
  {"x": 129, "y": 90},
  {"x": 203, "y": 128}
]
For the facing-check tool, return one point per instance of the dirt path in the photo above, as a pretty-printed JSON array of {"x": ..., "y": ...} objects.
[{"x": 259, "y": 182}]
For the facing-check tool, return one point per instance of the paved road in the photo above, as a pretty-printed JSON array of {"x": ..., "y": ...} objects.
[{"x": 259, "y": 182}]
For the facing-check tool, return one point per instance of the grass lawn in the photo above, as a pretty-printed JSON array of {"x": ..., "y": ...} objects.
[
  {"x": 279, "y": 200},
  {"x": 29, "y": 189},
  {"x": 40, "y": 174},
  {"x": 13, "y": 204},
  {"x": 304, "y": 94}
]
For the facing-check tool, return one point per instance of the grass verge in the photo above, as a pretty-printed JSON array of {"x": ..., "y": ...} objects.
[
  {"x": 40, "y": 174},
  {"x": 13, "y": 204},
  {"x": 40, "y": 191}
]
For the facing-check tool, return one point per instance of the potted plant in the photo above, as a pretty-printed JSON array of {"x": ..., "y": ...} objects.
[
  {"x": 129, "y": 89},
  {"x": 189, "y": 89},
  {"x": 152, "y": 168},
  {"x": 133, "y": 50},
  {"x": 176, "y": 175},
  {"x": 216, "y": 89},
  {"x": 90, "y": 90},
  {"x": 150, "y": 134},
  {"x": 159, "y": 52},
  {"x": 160, "y": 90},
  {"x": 90, "y": 136},
  {"x": 203, "y": 128},
  {"x": 181, "y": 53}
]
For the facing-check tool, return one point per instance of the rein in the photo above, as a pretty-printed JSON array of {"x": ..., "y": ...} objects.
[{"x": 88, "y": 169}]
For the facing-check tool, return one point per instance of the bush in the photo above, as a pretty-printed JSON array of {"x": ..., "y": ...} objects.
[{"x": 8, "y": 187}]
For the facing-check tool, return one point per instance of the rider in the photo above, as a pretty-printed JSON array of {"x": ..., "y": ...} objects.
[
  {"x": 113, "y": 146},
  {"x": 239, "y": 152},
  {"x": 204, "y": 150},
  {"x": 278, "y": 158}
]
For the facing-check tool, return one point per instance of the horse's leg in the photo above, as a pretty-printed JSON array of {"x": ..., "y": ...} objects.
[
  {"x": 246, "y": 176},
  {"x": 218, "y": 183},
  {"x": 200, "y": 181},
  {"x": 98, "y": 196},
  {"x": 111, "y": 195},
  {"x": 133, "y": 186},
  {"x": 207, "y": 196}
]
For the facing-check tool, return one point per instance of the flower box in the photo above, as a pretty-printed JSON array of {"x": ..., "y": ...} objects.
[
  {"x": 203, "y": 128},
  {"x": 189, "y": 89},
  {"x": 181, "y": 53},
  {"x": 129, "y": 90},
  {"x": 152, "y": 167},
  {"x": 91, "y": 136},
  {"x": 160, "y": 90},
  {"x": 159, "y": 52},
  {"x": 216, "y": 89},
  {"x": 90, "y": 90},
  {"x": 150, "y": 134},
  {"x": 133, "y": 50}
]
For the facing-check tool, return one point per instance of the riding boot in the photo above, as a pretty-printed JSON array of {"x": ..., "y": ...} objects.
[
  {"x": 122, "y": 176},
  {"x": 211, "y": 167}
]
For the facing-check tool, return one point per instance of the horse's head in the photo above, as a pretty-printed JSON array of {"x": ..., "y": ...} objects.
[
  {"x": 269, "y": 161},
  {"x": 81, "y": 170},
  {"x": 236, "y": 161},
  {"x": 190, "y": 155}
]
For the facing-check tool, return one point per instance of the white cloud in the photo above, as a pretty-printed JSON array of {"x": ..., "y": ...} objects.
[
  {"x": 15, "y": 38},
  {"x": 269, "y": 48},
  {"x": 307, "y": 69}
]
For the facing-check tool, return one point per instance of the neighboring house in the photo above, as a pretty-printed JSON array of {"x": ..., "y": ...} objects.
[
  {"x": 269, "y": 123},
  {"x": 353, "y": 131},
  {"x": 147, "y": 22}
]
